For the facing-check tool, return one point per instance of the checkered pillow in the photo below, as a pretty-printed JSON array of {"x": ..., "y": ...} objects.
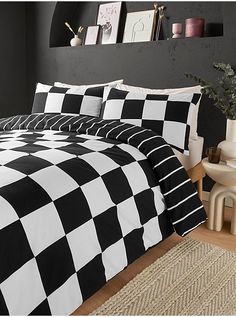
[
  {"x": 76, "y": 100},
  {"x": 167, "y": 115}
]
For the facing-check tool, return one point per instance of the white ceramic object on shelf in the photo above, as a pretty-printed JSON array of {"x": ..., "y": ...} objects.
[
  {"x": 177, "y": 30},
  {"x": 75, "y": 41},
  {"x": 228, "y": 147}
]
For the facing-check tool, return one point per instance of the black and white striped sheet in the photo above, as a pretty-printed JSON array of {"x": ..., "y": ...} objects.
[{"x": 80, "y": 199}]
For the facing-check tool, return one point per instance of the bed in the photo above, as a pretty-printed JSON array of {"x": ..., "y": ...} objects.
[{"x": 82, "y": 197}]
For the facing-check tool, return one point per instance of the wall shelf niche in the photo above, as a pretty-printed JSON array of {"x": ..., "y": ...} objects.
[{"x": 85, "y": 13}]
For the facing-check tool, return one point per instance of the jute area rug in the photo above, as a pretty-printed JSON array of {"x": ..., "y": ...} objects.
[{"x": 193, "y": 278}]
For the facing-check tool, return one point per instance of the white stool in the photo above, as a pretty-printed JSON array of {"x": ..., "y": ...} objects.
[
  {"x": 225, "y": 178},
  {"x": 216, "y": 207}
]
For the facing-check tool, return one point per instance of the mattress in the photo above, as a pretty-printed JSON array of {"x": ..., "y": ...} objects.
[{"x": 195, "y": 153}]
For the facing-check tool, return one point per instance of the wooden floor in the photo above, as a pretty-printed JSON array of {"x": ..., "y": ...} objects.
[{"x": 223, "y": 239}]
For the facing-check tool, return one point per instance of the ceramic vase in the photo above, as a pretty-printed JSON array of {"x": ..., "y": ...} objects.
[
  {"x": 228, "y": 147},
  {"x": 75, "y": 41},
  {"x": 177, "y": 30}
]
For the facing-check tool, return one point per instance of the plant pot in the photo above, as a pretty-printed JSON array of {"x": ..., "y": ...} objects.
[
  {"x": 75, "y": 41},
  {"x": 228, "y": 147}
]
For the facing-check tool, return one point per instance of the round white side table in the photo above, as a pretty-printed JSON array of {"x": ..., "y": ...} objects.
[{"x": 225, "y": 186}]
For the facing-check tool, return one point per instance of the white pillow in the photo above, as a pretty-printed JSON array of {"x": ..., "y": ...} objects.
[
  {"x": 112, "y": 83},
  {"x": 194, "y": 89}
]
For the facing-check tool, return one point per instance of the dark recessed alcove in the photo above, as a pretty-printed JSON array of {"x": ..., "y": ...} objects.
[
  {"x": 85, "y": 13},
  {"x": 76, "y": 13}
]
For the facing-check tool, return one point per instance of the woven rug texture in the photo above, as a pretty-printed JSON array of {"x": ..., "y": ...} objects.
[{"x": 193, "y": 278}]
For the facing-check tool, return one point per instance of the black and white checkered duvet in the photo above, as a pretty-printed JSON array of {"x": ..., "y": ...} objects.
[{"x": 80, "y": 199}]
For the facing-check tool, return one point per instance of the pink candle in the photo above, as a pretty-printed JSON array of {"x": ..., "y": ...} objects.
[{"x": 194, "y": 27}]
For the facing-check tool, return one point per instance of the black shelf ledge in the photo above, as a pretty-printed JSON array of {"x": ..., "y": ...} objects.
[{"x": 169, "y": 42}]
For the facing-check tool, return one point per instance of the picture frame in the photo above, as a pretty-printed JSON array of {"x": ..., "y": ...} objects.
[
  {"x": 109, "y": 19},
  {"x": 92, "y": 35},
  {"x": 139, "y": 26}
]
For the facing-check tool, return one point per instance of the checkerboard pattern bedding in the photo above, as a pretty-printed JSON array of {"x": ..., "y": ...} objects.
[
  {"x": 80, "y": 199},
  {"x": 168, "y": 115},
  {"x": 74, "y": 100}
]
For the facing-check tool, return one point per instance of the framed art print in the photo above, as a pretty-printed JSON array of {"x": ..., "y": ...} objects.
[
  {"x": 139, "y": 26},
  {"x": 92, "y": 35},
  {"x": 109, "y": 18}
]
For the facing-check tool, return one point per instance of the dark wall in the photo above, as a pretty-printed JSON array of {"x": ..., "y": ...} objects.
[
  {"x": 151, "y": 64},
  {"x": 13, "y": 92}
]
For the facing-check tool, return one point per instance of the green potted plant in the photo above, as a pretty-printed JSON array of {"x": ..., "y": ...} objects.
[{"x": 223, "y": 93}]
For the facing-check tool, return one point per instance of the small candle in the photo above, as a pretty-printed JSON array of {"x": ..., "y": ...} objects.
[{"x": 194, "y": 27}]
